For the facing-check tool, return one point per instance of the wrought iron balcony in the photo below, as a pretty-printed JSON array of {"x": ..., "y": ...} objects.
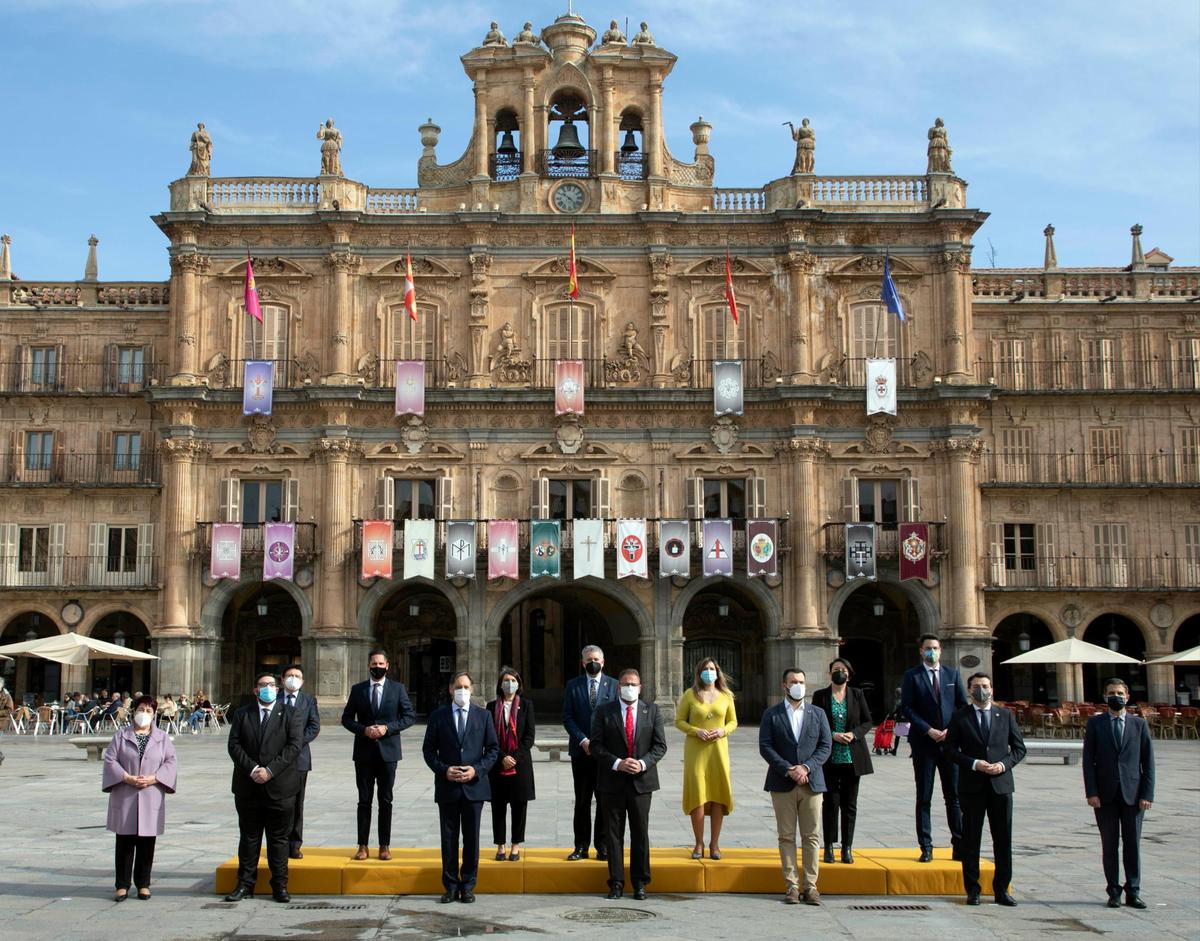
[
  {"x": 1090, "y": 375},
  {"x": 1026, "y": 469},
  {"x": 633, "y": 167},
  {"x": 82, "y": 572},
  {"x": 581, "y": 167},
  {"x": 81, "y": 470},
  {"x": 252, "y": 541},
  {"x": 504, "y": 168},
  {"x": 887, "y": 540},
  {"x": 1090, "y": 573},
  {"x": 57, "y": 377}
]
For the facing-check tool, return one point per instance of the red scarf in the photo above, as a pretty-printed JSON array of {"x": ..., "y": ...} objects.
[{"x": 506, "y": 732}]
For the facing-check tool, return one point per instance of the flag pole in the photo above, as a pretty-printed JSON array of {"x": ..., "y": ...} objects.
[{"x": 879, "y": 313}]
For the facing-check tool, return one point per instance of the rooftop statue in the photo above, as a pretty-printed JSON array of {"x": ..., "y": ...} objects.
[
  {"x": 939, "y": 149},
  {"x": 527, "y": 35},
  {"x": 201, "y": 152},
  {"x": 612, "y": 35},
  {"x": 806, "y": 146},
  {"x": 494, "y": 36},
  {"x": 331, "y": 149},
  {"x": 643, "y": 37}
]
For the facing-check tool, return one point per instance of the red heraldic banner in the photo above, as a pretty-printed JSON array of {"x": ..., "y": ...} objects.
[
  {"x": 377, "y": 549},
  {"x": 568, "y": 387},
  {"x": 914, "y": 550},
  {"x": 503, "y": 549}
]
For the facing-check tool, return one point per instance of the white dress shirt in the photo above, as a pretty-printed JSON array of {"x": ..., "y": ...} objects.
[
  {"x": 979, "y": 722},
  {"x": 625, "y": 707}
]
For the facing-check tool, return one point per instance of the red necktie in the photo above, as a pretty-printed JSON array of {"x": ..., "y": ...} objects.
[{"x": 629, "y": 729}]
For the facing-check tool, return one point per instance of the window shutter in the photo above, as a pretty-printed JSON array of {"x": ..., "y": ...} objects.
[
  {"x": 110, "y": 367},
  {"x": 57, "y": 458},
  {"x": 231, "y": 500},
  {"x": 1044, "y": 550},
  {"x": 910, "y": 496},
  {"x": 693, "y": 498},
  {"x": 756, "y": 497},
  {"x": 996, "y": 554},
  {"x": 20, "y": 373},
  {"x": 143, "y": 377},
  {"x": 385, "y": 497},
  {"x": 145, "y": 553},
  {"x": 97, "y": 551},
  {"x": 539, "y": 498},
  {"x": 601, "y": 498},
  {"x": 58, "y": 539},
  {"x": 850, "y": 500},
  {"x": 16, "y": 450},
  {"x": 445, "y": 498},
  {"x": 291, "y": 500},
  {"x": 8, "y": 553},
  {"x": 60, "y": 368}
]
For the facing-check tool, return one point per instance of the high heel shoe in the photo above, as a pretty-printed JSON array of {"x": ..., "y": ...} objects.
[
  {"x": 714, "y": 853},
  {"x": 698, "y": 853},
  {"x": 121, "y": 896}
]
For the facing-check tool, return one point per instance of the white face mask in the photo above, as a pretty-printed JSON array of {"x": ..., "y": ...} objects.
[
  {"x": 510, "y": 687},
  {"x": 462, "y": 697},
  {"x": 630, "y": 693},
  {"x": 142, "y": 719},
  {"x": 293, "y": 683},
  {"x": 796, "y": 691}
]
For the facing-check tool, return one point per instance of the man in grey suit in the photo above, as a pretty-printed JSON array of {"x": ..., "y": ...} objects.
[
  {"x": 1118, "y": 780},
  {"x": 795, "y": 742},
  {"x": 306, "y": 705}
]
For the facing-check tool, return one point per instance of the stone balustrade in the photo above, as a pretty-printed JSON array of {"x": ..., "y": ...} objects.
[
  {"x": 739, "y": 200},
  {"x": 1014, "y": 284},
  {"x": 130, "y": 294},
  {"x": 869, "y": 189},
  {"x": 121, "y": 294},
  {"x": 263, "y": 193},
  {"x": 393, "y": 201}
]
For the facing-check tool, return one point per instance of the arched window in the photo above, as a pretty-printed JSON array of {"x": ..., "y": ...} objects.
[
  {"x": 268, "y": 340},
  {"x": 506, "y": 147},
  {"x": 506, "y": 494},
  {"x": 631, "y": 155},
  {"x": 632, "y": 496},
  {"x": 567, "y": 132},
  {"x": 874, "y": 334}
]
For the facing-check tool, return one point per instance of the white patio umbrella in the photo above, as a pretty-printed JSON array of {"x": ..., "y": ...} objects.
[
  {"x": 73, "y": 649},
  {"x": 1071, "y": 650},
  {"x": 2, "y": 657},
  {"x": 1180, "y": 658}
]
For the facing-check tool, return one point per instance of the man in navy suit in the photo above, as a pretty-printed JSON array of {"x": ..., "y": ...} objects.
[
  {"x": 985, "y": 742},
  {"x": 584, "y": 693},
  {"x": 1118, "y": 779},
  {"x": 377, "y": 711},
  {"x": 794, "y": 740},
  {"x": 306, "y": 705},
  {"x": 460, "y": 748},
  {"x": 929, "y": 696}
]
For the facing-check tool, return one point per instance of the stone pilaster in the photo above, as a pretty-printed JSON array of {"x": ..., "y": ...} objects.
[
  {"x": 798, "y": 322},
  {"x": 178, "y": 528},
  {"x": 607, "y": 123},
  {"x": 652, "y": 134},
  {"x": 804, "y": 527},
  {"x": 962, "y": 614},
  {"x": 481, "y": 263},
  {"x": 341, "y": 319},
  {"x": 660, "y": 317},
  {"x": 956, "y": 292},
  {"x": 529, "y": 142},
  {"x": 185, "y": 298},
  {"x": 337, "y": 536}
]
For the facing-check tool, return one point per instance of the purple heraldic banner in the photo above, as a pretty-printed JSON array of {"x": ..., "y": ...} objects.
[
  {"x": 762, "y": 540},
  {"x": 226, "y": 550},
  {"x": 718, "y": 547},
  {"x": 257, "y": 384},
  {"x": 410, "y": 387},
  {"x": 279, "y": 551}
]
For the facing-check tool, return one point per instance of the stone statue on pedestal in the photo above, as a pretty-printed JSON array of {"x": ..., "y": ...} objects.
[
  {"x": 806, "y": 146},
  {"x": 201, "y": 152},
  {"x": 527, "y": 36},
  {"x": 939, "y": 149},
  {"x": 643, "y": 37},
  {"x": 629, "y": 343},
  {"x": 494, "y": 37},
  {"x": 612, "y": 35},
  {"x": 331, "y": 149}
]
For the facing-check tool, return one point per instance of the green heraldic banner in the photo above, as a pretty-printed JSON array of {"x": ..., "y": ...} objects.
[{"x": 545, "y": 548}]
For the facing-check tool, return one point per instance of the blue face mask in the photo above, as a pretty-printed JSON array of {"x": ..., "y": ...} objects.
[
  {"x": 267, "y": 694},
  {"x": 930, "y": 655},
  {"x": 708, "y": 676}
]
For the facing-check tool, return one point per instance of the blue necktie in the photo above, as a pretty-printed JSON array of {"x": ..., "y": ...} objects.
[
  {"x": 1116, "y": 726},
  {"x": 462, "y": 725}
]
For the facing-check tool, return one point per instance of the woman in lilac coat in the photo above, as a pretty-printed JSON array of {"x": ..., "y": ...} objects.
[{"x": 139, "y": 771}]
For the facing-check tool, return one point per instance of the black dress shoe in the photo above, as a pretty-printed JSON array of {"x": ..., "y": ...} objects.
[
  {"x": 615, "y": 890},
  {"x": 601, "y": 855},
  {"x": 467, "y": 897},
  {"x": 1134, "y": 901},
  {"x": 926, "y": 856},
  {"x": 972, "y": 898},
  {"x": 847, "y": 854},
  {"x": 295, "y": 854},
  {"x": 1003, "y": 898},
  {"x": 639, "y": 893},
  {"x": 281, "y": 896},
  {"x": 241, "y": 892},
  {"x": 1114, "y": 901},
  {"x": 578, "y": 853},
  {"x": 448, "y": 897},
  {"x": 828, "y": 857}
]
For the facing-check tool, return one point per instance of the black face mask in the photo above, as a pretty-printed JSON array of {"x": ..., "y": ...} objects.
[
  {"x": 593, "y": 668},
  {"x": 378, "y": 673},
  {"x": 840, "y": 677},
  {"x": 1115, "y": 703}
]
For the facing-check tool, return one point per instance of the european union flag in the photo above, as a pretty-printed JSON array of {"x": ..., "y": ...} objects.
[{"x": 888, "y": 293}]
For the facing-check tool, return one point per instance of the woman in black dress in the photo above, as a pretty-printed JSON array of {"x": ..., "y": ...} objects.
[
  {"x": 850, "y": 722},
  {"x": 512, "y": 776}
]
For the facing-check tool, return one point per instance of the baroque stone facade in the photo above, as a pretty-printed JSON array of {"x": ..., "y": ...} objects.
[{"x": 1048, "y": 425}]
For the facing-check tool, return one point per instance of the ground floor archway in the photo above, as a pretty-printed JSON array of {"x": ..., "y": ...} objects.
[
  {"x": 878, "y": 625},
  {"x": 128, "y": 676},
  {"x": 31, "y": 679},
  {"x": 723, "y": 622},
  {"x": 1116, "y": 632},
  {"x": 261, "y": 628},
  {"x": 1035, "y": 682},
  {"x": 1187, "y": 676},
  {"x": 417, "y": 627}
]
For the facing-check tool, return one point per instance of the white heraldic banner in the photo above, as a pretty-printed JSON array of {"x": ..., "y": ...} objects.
[
  {"x": 881, "y": 386},
  {"x": 589, "y": 547},
  {"x": 418, "y": 548}
]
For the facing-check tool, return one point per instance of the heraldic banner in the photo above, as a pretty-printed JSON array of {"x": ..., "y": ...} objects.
[
  {"x": 410, "y": 387},
  {"x": 279, "y": 551},
  {"x": 460, "y": 549},
  {"x": 727, "y": 387},
  {"x": 377, "y": 548},
  {"x": 568, "y": 387},
  {"x": 257, "y": 381},
  {"x": 881, "y": 386},
  {"x": 718, "y": 547},
  {"x": 673, "y": 548},
  {"x": 503, "y": 549},
  {"x": 545, "y": 548},
  {"x": 914, "y": 550},
  {"x": 860, "y": 551},
  {"x": 418, "y": 548},
  {"x": 226, "y": 550},
  {"x": 588, "y": 535},
  {"x": 631, "y": 549},
  {"x": 762, "y": 547}
]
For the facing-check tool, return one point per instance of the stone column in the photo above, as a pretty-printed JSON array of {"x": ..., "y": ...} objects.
[
  {"x": 660, "y": 318},
  {"x": 956, "y": 287},
  {"x": 529, "y": 136},
  {"x": 798, "y": 323},
  {"x": 607, "y": 123},
  {"x": 804, "y": 531},
  {"x": 962, "y": 538},
  {"x": 341, "y": 317},
  {"x": 336, "y": 535},
  {"x": 653, "y": 130},
  {"x": 482, "y": 145},
  {"x": 178, "y": 528},
  {"x": 481, "y": 264},
  {"x": 186, "y": 316}
]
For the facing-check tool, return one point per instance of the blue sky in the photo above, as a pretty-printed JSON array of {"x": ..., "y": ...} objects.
[{"x": 1084, "y": 114}]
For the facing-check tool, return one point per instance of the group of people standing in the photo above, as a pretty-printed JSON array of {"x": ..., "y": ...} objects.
[{"x": 816, "y": 754}]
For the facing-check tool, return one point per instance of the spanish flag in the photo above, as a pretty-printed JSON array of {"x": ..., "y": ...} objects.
[
  {"x": 410, "y": 289},
  {"x": 253, "y": 308},
  {"x": 573, "y": 285},
  {"x": 730, "y": 297}
]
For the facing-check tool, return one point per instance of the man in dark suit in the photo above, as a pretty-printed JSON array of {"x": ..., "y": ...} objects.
[
  {"x": 265, "y": 738},
  {"x": 377, "y": 711},
  {"x": 986, "y": 744},
  {"x": 627, "y": 743},
  {"x": 794, "y": 741},
  {"x": 460, "y": 748},
  {"x": 929, "y": 696},
  {"x": 1118, "y": 779},
  {"x": 583, "y": 694},
  {"x": 306, "y": 705}
]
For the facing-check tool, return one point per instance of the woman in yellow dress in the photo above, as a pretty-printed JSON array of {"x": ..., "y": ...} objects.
[{"x": 706, "y": 715}]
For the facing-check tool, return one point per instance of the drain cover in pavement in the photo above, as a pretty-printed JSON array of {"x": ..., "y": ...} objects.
[
  {"x": 324, "y": 907},
  {"x": 888, "y": 908},
  {"x": 608, "y": 916}
]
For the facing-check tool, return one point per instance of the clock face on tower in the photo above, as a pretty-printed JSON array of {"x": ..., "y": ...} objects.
[{"x": 569, "y": 197}]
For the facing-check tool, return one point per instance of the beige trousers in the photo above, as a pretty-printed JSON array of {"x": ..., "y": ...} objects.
[{"x": 799, "y": 807}]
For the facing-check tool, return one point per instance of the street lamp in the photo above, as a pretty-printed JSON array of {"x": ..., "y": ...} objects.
[
  {"x": 1023, "y": 641},
  {"x": 119, "y": 637},
  {"x": 414, "y": 609},
  {"x": 723, "y": 608},
  {"x": 31, "y": 635},
  {"x": 1114, "y": 642},
  {"x": 877, "y": 607},
  {"x": 261, "y": 607}
]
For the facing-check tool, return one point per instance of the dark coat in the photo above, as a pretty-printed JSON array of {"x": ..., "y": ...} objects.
[
  {"x": 395, "y": 711},
  {"x": 965, "y": 746},
  {"x": 608, "y": 744},
  {"x": 780, "y": 750},
  {"x": 519, "y": 786},
  {"x": 858, "y": 721},
  {"x": 577, "y": 708},
  {"x": 923, "y": 711},
  {"x": 442, "y": 752},
  {"x": 1109, "y": 773},
  {"x": 306, "y": 706},
  {"x": 274, "y": 745}
]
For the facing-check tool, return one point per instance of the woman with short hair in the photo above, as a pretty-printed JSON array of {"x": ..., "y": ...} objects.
[{"x": 849, "y": 718}]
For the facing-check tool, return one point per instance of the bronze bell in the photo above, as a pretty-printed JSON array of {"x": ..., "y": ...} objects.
[
  {"x": 507, "y": 146},
  {"x": 630, "y": 146},
  {"x": 568, "y": 145}
]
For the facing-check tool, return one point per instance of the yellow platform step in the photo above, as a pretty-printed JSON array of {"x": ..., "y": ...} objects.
[{"x": 331, "y": 871}]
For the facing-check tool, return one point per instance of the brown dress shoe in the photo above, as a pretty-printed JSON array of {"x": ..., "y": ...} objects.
[
  {"x": 812, "y": 896},
  {"x": 361, "y": 854},
  {"x": 793, "y": 896},
  {"x": 385, "y": 853}
]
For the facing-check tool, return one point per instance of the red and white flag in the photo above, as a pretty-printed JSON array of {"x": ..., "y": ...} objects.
[
  {"x": 631, "y": 549},
  {"x": 410, "y": 289},
  {"x": 573, "y": 283},
  {"x": 730, "y": 297}
]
